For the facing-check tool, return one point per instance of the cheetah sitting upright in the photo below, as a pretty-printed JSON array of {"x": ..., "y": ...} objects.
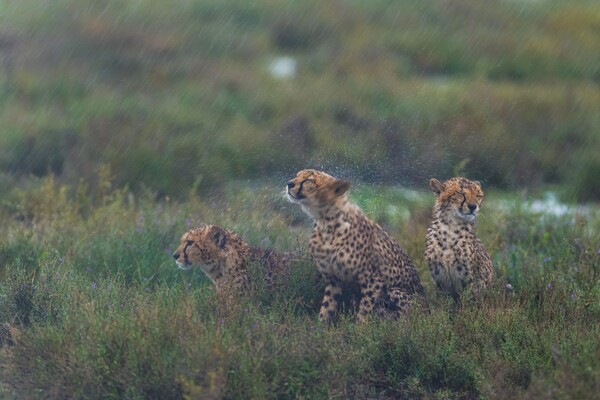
[
  {"x": 349, "y": 249},
  {"x": 223, "y": 256},
  {"x": 455, "y": 255}
]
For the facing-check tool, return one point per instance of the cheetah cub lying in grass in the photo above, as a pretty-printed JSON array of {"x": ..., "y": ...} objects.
[
  {"x": 456, "y": 256},
  {"x": 223, "y": 256},
  {"x": 350, "y": 249}
]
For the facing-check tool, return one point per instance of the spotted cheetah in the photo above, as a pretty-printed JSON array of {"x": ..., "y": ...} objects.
[
  {"x": 456, "y": 256},
  {"x": 223, "y": 256},
  {"x": 349, "y": 249}
]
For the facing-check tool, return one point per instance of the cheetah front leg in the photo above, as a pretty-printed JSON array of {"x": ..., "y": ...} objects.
[
  {"x": 333, "y": 292},
  {"x": 400, "y": 302},
  {"x": 370, "y": 291}
]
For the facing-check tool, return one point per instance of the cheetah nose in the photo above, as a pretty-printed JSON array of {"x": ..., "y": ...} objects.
[
  {"x": 290, "y": 184},
  {"x": 176, "y": 256},
  {"x": 472, "y": 207}
]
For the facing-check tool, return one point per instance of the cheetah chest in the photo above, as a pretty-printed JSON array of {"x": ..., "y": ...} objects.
[
  {"x": 450, "y": 255},
  {"x": 337, "y": 251}
]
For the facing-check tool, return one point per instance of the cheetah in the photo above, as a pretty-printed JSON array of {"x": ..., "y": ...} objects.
[
  {"x": 351, "y": 250},
  {"x": 456, "y": 256},
  {"x": 223, "y": 256}
]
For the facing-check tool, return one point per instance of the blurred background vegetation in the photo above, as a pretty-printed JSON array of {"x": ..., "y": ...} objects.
[{"x": 173, "y": 96}]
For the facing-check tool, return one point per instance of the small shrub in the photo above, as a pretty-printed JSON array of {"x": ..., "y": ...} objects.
[
  {"x": 42, "y": 153},
  {"x": 585, "y": 187}
]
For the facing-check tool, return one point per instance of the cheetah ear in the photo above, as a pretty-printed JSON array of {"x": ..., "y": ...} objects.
[
  {"x": 339, "y": 187},
  {"x": 436, "y": 186},
  {"x": 477, "y": 183},
  {"x": 219, "y": 236}
]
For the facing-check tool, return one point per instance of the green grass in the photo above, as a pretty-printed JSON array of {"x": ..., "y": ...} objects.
[
  {"x": 391, "y": 92},
  {"x": 97, "y": 309}
]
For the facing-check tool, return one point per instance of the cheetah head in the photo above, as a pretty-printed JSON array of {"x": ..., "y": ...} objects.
[
  {"x": 204, "y": 247},
  {"x": 458, "y": 196},
  {"x": 315, "y": 190}
]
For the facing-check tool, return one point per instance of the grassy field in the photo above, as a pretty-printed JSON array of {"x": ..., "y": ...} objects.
[
  {"x": 125, "y": 123},
  {"x": 93, "y": 306}
]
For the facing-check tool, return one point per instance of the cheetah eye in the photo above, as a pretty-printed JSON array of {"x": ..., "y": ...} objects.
[
  {"x": 459, "y": 196},
  {"x": 189, "y": 242},
  {"x": 307, "y": 183}
]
